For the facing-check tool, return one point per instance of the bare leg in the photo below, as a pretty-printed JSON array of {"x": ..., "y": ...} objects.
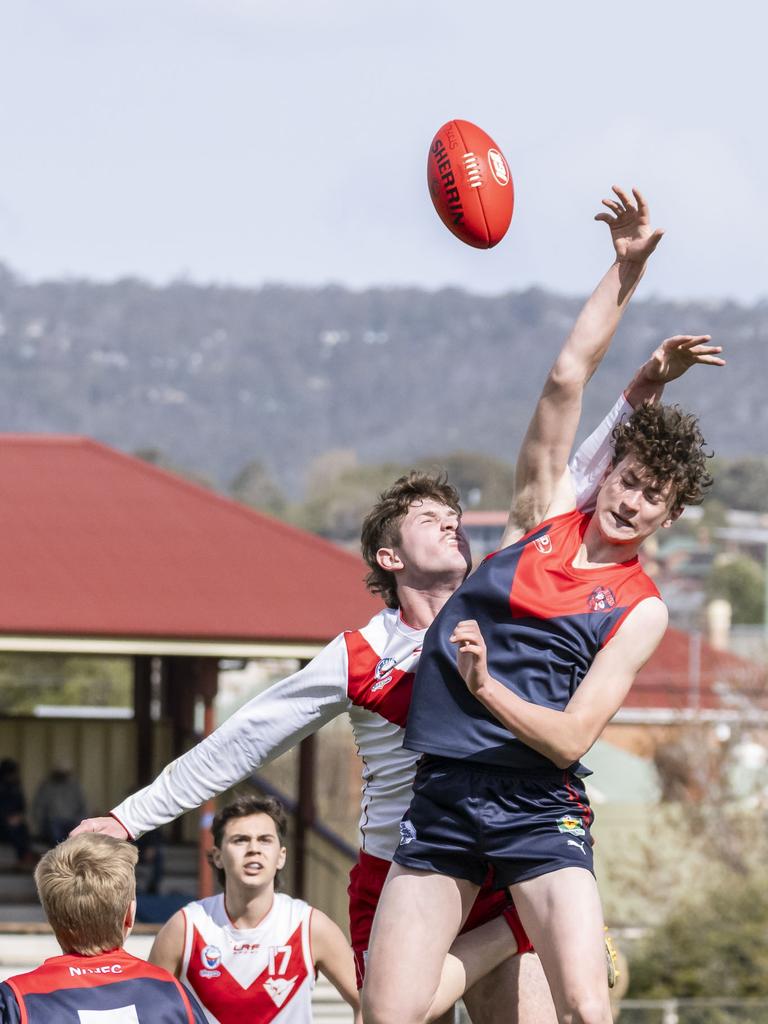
[
  {"x": 515, "y": 992},
  {"x": 417, "y": 919},
  {"x": 490, "y": 948},
  {"x": 562, "y": 914}
]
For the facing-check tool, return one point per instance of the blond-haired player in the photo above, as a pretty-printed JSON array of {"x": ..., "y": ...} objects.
[{"x": 87, "y": 888}]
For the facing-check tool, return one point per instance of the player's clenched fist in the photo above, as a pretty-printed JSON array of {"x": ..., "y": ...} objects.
[
  {"x": 472, "y": 658},
  {"x": 107, "y": 826}
]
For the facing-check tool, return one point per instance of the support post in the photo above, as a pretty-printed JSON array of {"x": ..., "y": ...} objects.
[
  {"x": 142, "y": 699},
  {"x": 207, "y": 684},
  {"x": 305, "y": 814}
]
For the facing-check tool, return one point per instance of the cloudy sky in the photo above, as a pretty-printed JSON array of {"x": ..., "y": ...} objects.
[{"x": 246, "y": 141}]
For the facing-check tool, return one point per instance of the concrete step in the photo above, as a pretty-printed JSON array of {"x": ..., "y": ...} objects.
[{"x": 17, "y": 887}]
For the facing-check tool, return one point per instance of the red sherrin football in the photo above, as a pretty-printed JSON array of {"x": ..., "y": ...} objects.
[{"x": 470, "y": 184}]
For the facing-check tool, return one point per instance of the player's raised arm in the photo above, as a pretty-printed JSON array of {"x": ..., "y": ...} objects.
[
  {"x": 666, "y": 363},
  {"x": 544, "y": 454},
  {"x": 261, "y": 730}
]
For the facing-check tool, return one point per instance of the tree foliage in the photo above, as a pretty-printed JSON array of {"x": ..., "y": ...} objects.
[
  {"x": 340, "y": 491},
  {"x": 741, "y": 483},
  {"x": 741, "y": 581},
  {"x": 254, "y": 486},
  {"x": 714, "y": 944},
  {"x": 27, "y": 680}
]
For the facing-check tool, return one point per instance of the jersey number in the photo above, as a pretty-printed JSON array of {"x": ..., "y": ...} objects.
[
  {"x": 120, "y": 1015},
  {"x": 274, "y": 952}
]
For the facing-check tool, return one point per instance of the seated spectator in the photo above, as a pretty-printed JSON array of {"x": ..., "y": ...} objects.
[
  {"x": 13, "y": 806},
  {"x": 59, "y": 804},
  {"x": 88, "y": 890}
]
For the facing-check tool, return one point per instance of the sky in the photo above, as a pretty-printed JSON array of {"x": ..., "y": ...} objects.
[{"x": 255, "y": 141}]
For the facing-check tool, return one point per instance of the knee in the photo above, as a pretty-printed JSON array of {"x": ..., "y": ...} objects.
[
  {"x": 588, "y": 1010},
  {"x": 391, "y": 1010}
]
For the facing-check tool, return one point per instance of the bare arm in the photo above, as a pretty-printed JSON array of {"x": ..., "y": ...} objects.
[
  {"x": 543, "y": 457},
  {"x": 670, "y": 360},
  {"x": 565, "y": 736},
  {"x": 261, "y": 730},
  {"x": 333, "y": 956},
  {"x": 168, "y": 948}
]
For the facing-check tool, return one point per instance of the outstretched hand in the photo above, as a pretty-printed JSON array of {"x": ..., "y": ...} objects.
[
  {"x": 676, "y": 355},
  {"x": 107, "y": 826},
  {"x": 472, "y": 659},
  {"x": 633, "y": 237}
]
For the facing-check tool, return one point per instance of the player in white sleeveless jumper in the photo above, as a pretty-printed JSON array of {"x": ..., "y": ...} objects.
[{"x": 250, "y": 953}]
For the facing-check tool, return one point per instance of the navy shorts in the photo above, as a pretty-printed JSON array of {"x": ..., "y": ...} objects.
[{"x": 466, "y": 818}]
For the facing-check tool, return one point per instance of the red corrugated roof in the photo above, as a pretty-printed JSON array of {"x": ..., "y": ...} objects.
[
  {"x": 686, "y": 672},
  {"x": 96, "y": 543}
]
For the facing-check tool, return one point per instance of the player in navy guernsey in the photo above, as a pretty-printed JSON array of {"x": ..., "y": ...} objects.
[
  {"x": 413, "y": 544},
  {"x": 523, "y": 667},
  {"x": 87, "y": 888}
]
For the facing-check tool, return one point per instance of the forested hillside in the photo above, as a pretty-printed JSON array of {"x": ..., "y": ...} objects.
[{"x": 216, "y": 378}]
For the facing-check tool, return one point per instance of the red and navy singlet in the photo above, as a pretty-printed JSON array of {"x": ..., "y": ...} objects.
[
  {"x": 111, "y": 988},
  {"x": 543, "y": 621}
]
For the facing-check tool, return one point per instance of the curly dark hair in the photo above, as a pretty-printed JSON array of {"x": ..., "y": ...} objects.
[
  {"x": 668, "y": 443},
  {"x": 243, "y": 806},
  {"x": 381, "y": 527}
]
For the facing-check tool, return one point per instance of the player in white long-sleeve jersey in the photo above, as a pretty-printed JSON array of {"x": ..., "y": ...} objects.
[{"x": 251, "y": 953}]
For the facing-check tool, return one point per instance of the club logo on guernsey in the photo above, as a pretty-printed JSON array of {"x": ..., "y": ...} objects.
[
  {"x": 571, "y": 825},
  {"x": 602, "y": 599},
  {"x": 383, "y": 674},
  {"x": 278, "y": 989},
  {"x": 543, "y": 544},
  {"x": 211, "y": 958}
]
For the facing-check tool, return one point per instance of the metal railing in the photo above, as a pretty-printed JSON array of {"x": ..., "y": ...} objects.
[
  {"x": 694, "y": 1011},
  {"x": 683, "y": 1011}
]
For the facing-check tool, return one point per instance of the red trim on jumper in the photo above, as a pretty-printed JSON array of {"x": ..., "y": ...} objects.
[
  {"x": 585, "y": 809},
  {"x": 309, "y": 941},
  {"x": 122, "y": 825},
  {"x": 630, "y": 608},
  {"x": 546, "y": 584},
  {"x": 185, "y": 1000},
  {"x": 20, "y": 1000}
]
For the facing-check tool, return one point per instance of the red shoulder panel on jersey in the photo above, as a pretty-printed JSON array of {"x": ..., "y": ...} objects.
[{"x": 375, "y": 687}]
